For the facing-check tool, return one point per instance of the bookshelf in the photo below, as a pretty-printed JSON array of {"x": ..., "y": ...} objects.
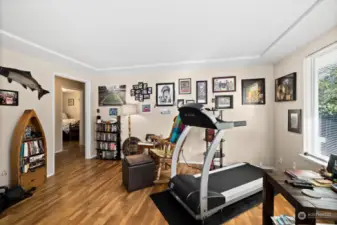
[
  {"x": 108, "y": 140},
  {"x": 28, "y": 152}
]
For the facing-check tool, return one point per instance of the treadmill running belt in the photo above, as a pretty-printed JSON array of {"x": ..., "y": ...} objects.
[{"x": 228, "y": 179}]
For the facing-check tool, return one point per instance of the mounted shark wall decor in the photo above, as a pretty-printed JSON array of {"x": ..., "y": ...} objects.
[{"x": 24, "y": 78}]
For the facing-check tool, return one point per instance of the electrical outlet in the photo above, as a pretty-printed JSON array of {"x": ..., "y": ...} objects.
[
  {"x": 294, "y": 165},
  {"x": 280, "y": 160},
  {"x": 4, "y": 173}
]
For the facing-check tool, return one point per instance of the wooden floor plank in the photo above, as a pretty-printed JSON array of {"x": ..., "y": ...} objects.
[{"x": 90, "y": 192}]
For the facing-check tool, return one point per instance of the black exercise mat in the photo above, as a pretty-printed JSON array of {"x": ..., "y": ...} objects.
[{"x": 176, "y": 214}]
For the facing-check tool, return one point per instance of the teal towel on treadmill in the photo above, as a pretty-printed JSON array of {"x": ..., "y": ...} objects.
[{"x": 178, "y": 128}]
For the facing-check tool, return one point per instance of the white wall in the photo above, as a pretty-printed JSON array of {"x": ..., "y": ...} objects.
[
  {"x": 253, "y": 143},
  {"x": 43, "y": 72},
  {"x": 289, "y": 145}
]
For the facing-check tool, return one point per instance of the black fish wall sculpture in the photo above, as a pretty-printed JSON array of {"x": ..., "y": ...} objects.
[{"x": 24, "y": 78}]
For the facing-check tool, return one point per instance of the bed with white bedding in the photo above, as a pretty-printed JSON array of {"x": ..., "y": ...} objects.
[{"x": 70, "y": 127}]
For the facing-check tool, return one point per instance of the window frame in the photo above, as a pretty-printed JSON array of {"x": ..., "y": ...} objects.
[{"x": 311, "y": 112}]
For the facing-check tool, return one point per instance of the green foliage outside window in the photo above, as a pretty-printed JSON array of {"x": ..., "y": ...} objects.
[{"x": 328, "y": 90}]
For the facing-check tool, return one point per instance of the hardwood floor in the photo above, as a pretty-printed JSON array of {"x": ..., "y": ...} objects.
[{"x": 91, "y": 192}]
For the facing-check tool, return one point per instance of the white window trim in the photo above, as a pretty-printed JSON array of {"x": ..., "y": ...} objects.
[{"x": 310, "y": 117}]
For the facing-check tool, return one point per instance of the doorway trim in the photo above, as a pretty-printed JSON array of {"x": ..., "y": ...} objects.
[{"x": 87, "y": 116}]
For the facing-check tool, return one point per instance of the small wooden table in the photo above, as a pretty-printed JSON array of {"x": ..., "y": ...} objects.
[
  {"x": 307, "y": 209},
  {"x": 144, "y": 145}
]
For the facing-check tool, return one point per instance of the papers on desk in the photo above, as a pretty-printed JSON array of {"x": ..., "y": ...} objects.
[
  {"x": 283, "y": 220},
  {"x": 303, "y": 174}
]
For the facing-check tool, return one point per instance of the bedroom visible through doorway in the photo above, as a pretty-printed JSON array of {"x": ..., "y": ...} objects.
[{"x": 69, "y": 120}]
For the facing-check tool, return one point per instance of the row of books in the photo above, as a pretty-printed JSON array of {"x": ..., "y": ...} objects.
[
  {"x": 107, "y": 127},
  {"x": 31, "y": 163},
  {"x": 108, "y": 155},
  {"x": 30, "y": 148},
  {"x": 106, "y": 137},
  {"x": 283, "y": 220},
  {"x": 106, "y": 146}
]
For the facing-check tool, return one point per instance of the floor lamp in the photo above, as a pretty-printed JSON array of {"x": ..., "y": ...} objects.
[{"x": 129, "y": 110}]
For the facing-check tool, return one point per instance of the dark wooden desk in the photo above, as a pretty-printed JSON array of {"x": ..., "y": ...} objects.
[{"x": 307, "y": 209}]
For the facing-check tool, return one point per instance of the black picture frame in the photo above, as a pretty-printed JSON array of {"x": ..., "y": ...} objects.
[
  {"x": 216, "y": 80},
  {"x": 180, "y": 101},
  {"x": 149, "y": 90},
  {"x": 159, "y": 94},
  {"x": 295, "y": 120},
  {"x": 132, "y": 92},
  {"x": 286, "y": 88},
  {"x": 145, "y": 85},
  {"x": 135, "y": 86},
  {"x": 260, "y": 96},
  {"x": 71, "y": 102},
  {"x": 146, "y": 96},
  {"x": 220, "y": 106},
  {"x": 189, "y": 80},
  {"x": 140, "y": 85},
  {"x": 144, "y": 92},
  {"x": 4, "y": 92},
  {"x": 138, "y": 91},
  {"x": 198, "y": 100}
]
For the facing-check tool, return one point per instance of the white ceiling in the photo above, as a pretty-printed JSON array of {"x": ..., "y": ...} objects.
[{"x": 110, "y": 35}]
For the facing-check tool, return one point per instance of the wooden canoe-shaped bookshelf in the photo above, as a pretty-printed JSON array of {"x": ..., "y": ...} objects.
[{"x": 29, "y": 152}]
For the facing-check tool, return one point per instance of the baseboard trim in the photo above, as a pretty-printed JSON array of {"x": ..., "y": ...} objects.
[
  {"x": 191, "y": 162},
  {"x": 92, "y": 157},
  {"x": 50, "y": 175},
  {"x": 58, "y": 151}
]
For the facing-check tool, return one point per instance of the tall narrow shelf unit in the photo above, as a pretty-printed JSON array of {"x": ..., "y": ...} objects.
[
  {"x": 108, "y": 138},
  {"x": 29, "y": 152}
]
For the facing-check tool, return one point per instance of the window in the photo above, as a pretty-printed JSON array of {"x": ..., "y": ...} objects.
[{"x": 320, "y": 101}]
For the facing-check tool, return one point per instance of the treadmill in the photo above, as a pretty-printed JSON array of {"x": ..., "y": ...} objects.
[{"x": 204, "y": 194}]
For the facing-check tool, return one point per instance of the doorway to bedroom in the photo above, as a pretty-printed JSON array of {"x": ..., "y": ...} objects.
[{"x": 69, "y": 121}]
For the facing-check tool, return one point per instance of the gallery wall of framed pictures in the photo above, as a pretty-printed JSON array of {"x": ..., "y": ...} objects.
[{"x": 141, "y": 91}]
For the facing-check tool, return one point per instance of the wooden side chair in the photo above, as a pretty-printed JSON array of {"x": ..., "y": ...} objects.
[{"x": 162, "y": 155}]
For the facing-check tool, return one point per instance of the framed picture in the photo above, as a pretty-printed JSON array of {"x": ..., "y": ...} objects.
[
  {"x": 295, "y": 120},
  {"x": 202, "y": 92},
  {"x": 185, "y": 86},
  {"x": 140, "y": 85},
  {"x": 112, "y": 95},
  {"x": 9, "y": 98},
  {"x": 113, "y": 112},
  {"x": 224, "y": 102},
  {"x": 285, "y": 88},
  {"x": 141, "y": 98},
  {"x": 132, "y": 92},
  {"x": 71, "y": 102},
  {"x": 138, "y": 91},
  {"x": 253, "y": 92},
  {"x": 137, "y": 97},
  {"x": 224, "y": 84},
  {"x": 135, "y": 86},
  {"x": 146, "y": 96},
  {"x": 190, "y": 101},
  {"x": 149, "y": 90},
  {"x": 165, "y": 94},
  {"x": 145, "y": 86},
  {"x": 144, "y": 91},
  {"x": 180, "y": 103},
  {"x": 146, "y": 108}
]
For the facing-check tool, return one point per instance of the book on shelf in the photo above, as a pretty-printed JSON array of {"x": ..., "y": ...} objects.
[{"x": 32, "y": 155}]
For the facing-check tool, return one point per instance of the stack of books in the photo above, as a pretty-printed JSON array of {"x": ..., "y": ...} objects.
[{"x": 283, "y": 220}]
